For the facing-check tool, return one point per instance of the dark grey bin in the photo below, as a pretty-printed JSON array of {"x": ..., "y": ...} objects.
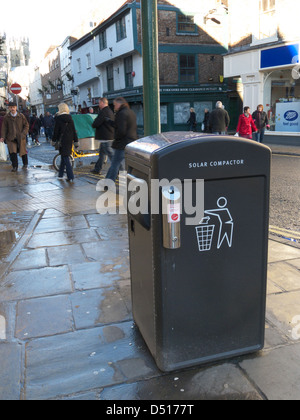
[{"x": 204, "y": 300}]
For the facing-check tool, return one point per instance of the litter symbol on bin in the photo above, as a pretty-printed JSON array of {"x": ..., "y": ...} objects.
[{"x": 219, "y": 218}]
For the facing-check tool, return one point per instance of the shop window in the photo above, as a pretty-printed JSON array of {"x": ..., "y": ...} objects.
[
  {"x": 284, "y": 113},
  {"x": 138, "y": 109},
  {"x": 164, "y": 114},
  {"x": 200, "y": 108},
  {"x": 181, "y": 112}
]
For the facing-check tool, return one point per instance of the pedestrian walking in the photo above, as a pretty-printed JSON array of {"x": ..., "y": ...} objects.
[
  {"x": 246, "y": 124},
  {"x": 126, "y": 132},
  {"x": 192, "y": 120},
  {"x": 261, "y": 121},
  {"x": 64, "y": 136},
  {"x": 48, "y": 126},
  {"x": 219, "y": 120},
  {"x": 14, "y": 129},
  {"x": 104, "y": 131},
  {"x": 205, "y": 124},
  {"x": 34, "y": 129}
]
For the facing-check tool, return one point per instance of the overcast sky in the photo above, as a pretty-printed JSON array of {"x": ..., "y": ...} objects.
[{"x": 49, "y": 22}]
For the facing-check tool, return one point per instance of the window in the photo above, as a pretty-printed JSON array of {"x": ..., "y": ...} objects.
[
  {"x": 128, "y": 72},
  {"x": 267, "y": 21},
  {"x": 121, "y": 29},
  {"x": 187, "y": 68},
  {"x": 88, "y": 61},
  {"x": 110, "y": 77},
  {"x": 181, "y": 112},
  {"x": 102, "y": 41},
  {"x": 267, "y": 5},
  {"x": 78, "y": 65},
  {"x": 186, "y": 24}
]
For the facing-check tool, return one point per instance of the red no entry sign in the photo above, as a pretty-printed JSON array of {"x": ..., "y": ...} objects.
[{"x": 16, "y": 89}]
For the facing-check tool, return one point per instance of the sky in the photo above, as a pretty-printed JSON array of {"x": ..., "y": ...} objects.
[{"x": 49, "y": 23}]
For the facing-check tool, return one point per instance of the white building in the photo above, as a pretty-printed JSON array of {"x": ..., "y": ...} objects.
[
  {"x": 84, "y": 71},
  {"x": 106, "y": 61},
  {"x": 36, "y": 92},
  {"x": 66, "y": 74},
  {"x": 264, "y": 57}
]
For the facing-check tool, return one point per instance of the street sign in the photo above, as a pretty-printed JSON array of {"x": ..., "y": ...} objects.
[{"x": 16, "y": 89}]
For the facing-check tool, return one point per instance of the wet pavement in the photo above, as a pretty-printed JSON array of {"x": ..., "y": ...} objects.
[{"x": 66, "y": 327}]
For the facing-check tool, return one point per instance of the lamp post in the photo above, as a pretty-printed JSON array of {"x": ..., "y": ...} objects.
[{"x": 150, "y": 67}]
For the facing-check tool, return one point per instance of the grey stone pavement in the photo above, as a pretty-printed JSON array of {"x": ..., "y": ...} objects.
[{"x": 66, "y": 327}]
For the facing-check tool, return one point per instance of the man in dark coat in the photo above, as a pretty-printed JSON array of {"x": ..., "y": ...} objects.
[
  {"x": 65, "y": 134},
  {"x": 219, "y": 119},
  {"x": 261, "y": 121},
  {"x": 126, "y": 132},
  {"x": 104, "y": 131},
  {"x": 14, "y": 130}
]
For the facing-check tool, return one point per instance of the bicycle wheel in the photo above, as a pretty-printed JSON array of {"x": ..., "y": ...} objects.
[{"x": 57, "y": 160}]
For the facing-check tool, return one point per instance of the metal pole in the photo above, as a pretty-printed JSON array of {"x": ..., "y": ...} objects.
[{"x": 150, "y": 67}]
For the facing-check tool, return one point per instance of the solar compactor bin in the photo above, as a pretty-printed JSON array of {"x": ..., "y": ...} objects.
[{"x": 198, "y": 286}]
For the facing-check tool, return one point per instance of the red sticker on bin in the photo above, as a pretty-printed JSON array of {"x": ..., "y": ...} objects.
[{"x": 174, "y": 213}]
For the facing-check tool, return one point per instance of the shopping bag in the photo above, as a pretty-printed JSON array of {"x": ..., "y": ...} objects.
[{"x": 3, "y": 152}]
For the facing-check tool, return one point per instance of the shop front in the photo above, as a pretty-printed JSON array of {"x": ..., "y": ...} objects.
[
  {"x": 176, "y": 102},
  {"x": 281, "y": 91},
  {"x": 270, "y": 76}
]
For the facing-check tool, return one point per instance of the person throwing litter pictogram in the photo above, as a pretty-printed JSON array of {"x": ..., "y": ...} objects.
[{"x": 225, "y": 220}]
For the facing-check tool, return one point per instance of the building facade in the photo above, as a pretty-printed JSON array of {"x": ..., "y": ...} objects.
[
  {"x": 263, "y": 59},
  {"x": 50, "y": 71},
  {"x": 66, "y": 74},
  {"x": 192, "y": 39}
]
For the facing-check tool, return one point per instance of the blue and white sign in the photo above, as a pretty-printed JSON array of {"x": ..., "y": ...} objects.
[
  {"x": 288, "y": 117},
  {"x": 280, "y": 56}
]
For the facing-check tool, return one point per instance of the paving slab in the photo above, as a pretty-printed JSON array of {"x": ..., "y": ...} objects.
[
  {"x": 11, "y": 371},
  {"x": 26, "y": 284},
  {"x": 85, "y": 360},
  {"x": 57, "y": 224},
  {"x": 282, "y": 252},
  {"x": 282, "y": 310},
  {"x": 284, "y": 275},
  {"x": 69, "y": 254},
  {"x": 30, "y": 259},
  {"x": 50, "y": 239},
  {"x": 224, "y": 382},
  {"x": 43, "y": 317},
  {"x": 98, "y": 307},
  {"x": 276, "y": 372}
]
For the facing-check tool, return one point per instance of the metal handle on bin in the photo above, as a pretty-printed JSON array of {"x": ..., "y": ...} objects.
[
  {"x": 137, "y": 196},
  {"x": 139, "y": 182},
  {"x": 171, "y": 206}
]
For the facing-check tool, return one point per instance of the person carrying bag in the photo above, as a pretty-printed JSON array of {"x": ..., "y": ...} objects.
[{"x": 3, "y": 153}]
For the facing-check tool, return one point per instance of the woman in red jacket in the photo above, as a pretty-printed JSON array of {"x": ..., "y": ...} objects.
[{"x": 246, "y": 124}]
